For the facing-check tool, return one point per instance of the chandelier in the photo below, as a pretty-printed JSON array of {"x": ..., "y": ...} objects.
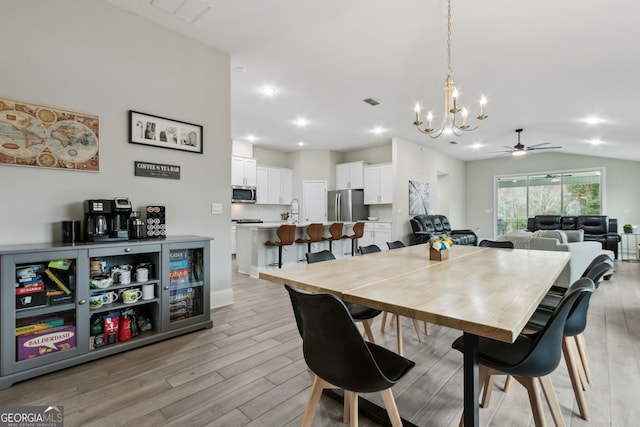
[{"x": 450, "y": 125}]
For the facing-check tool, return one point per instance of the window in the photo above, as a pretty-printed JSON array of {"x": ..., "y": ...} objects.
[{"x": 560, "y": 193}]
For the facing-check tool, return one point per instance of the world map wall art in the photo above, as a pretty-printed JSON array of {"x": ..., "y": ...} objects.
[{"x": 47, "y": 137}]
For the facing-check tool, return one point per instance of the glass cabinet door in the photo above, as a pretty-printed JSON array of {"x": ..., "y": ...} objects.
[
  {"x": 43, "y": 307},
  {"x": 186, "y": 282}
]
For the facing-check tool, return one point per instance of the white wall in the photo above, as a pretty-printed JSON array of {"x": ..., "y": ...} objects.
[
  {"x": 443, "y": 173},
  {"x": 621, "y": 193},
  {"x": 373, "y": 156},
  {"x": 89, "y": 56}
]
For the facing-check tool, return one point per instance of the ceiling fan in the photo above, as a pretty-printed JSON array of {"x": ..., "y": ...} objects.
[{"x": 519, "y": 149}]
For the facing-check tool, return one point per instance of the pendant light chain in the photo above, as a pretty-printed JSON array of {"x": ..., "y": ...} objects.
[{"x": 449, "y": 69}]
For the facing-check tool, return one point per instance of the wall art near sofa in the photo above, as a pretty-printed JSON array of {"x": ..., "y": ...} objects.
[
  {"x": 48, "y": 137},
  {"x": 165, "y": 133},
  {"x": 419, "y": 203}
]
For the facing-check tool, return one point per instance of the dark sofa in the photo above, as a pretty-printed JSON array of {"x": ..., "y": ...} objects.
[
  {"x": 598, "y": 228},
  {"x": 424, "y": 226}
]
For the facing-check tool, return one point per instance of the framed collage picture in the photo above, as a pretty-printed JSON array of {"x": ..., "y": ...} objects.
[{"x": 162, "y": 132}]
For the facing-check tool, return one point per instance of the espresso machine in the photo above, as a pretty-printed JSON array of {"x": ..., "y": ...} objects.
[{"x": 106, "y": 219}]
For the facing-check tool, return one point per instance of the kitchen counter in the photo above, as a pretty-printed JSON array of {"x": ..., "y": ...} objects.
[{"x": 253, "y": 256}]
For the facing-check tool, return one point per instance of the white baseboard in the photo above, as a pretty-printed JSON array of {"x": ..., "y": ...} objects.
[{"x": 221, "y": 298}]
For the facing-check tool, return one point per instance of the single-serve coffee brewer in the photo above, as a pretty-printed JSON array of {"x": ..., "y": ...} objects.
[{"x": 106, "y": 219}]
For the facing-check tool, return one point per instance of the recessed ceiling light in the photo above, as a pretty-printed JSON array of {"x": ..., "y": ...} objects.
[
  {"x": 268, "y": 90},
  {"x": 476, "y": 146},
  {"x": 251, "y": 138},
  {"x": 592, "y": 120},
  {"x": 301, "y": 122},
  {"x": 301, "y": 143},
  {"x": 596, "y": 141},
  {"x": 378, "y": 130}
]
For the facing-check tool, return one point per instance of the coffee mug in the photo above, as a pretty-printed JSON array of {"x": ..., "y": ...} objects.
[
  {"x": 131, "y": 295},
  {"x": 98, "y": 300},
  {"x": 142, "y": 274},
  {"x": 121, "y": 275},
  {"x": 148, "y": 292}
]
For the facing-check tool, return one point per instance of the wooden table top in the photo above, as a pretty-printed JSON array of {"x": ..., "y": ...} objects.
[{"x": 485, "y": 291}]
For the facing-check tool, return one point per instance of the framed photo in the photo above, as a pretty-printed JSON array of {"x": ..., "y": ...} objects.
[{"x": 161, "y": 132}]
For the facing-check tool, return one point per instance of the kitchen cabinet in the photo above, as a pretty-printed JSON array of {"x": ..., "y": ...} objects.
[
  {"x": 376, "y": 233},
  {"x": 262, "y": 185},
  {"x": 275, "y": 185},
  {"x": 350, "y": 176},
  {"x": 378, "y": 184},
  {"x": 68, "y": 310},
  {"x": 243, "y": 171}
]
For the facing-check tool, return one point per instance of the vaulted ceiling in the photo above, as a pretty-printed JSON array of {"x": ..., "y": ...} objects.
[{"x": 545, "y": 66}]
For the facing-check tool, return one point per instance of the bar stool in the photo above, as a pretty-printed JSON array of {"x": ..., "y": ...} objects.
[
  {"x": 286, "y": 233},
  {"x": 358, "y": 232},
  {"x": 314, "y": 231},
  {"x": 335, "y": 230}
]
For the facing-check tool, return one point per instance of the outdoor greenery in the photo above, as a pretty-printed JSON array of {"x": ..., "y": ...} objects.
[{"x": 567, "y": 194}]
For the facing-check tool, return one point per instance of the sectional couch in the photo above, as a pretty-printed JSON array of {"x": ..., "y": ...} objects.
[{"x": 597, "y": 228}]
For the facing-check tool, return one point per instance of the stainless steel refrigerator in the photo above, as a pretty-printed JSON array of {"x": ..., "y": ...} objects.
[{"x": 346, "y": 206}]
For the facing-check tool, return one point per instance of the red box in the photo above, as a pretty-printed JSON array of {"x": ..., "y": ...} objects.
[{"x": 45, "y": 342}]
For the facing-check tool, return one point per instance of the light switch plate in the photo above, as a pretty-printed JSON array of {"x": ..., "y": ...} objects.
[{"x": 216, "y": 208}]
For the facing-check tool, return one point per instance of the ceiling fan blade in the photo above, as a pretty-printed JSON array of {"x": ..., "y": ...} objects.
[
  {"x": 538, "y": 145},
  {"x": 532, "y": 148}
]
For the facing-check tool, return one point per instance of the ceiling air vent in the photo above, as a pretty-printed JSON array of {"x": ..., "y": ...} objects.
[
  {"x": 371, "y": 101},
  {"x": 187, "y": 10}
]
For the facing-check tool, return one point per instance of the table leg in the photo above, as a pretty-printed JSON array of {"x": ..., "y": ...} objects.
[{"x": 471, "y": 392}]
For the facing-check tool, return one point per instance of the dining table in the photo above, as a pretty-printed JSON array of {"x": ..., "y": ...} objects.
[{"x": 483, "y": 292}]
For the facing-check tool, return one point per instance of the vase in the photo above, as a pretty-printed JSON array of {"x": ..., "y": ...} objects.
[{"x": 438, "y": 255}]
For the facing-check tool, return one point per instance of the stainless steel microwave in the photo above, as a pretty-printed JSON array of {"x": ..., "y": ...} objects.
[{"x": 241, "y": 194}]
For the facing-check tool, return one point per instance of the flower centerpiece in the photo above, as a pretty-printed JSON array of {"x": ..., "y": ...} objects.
[{"x": 439, "y": 245}]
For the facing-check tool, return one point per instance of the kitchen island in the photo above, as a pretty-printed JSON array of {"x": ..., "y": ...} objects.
[{"x": 253, "y": 256}]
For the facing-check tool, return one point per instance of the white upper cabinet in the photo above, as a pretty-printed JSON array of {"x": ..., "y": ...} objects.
[
  {"x": 378, "y": 184},
  {"x": 275, "y": 185},
  {"x": 262, "y": 186},
  {"x": 349, "y": 175},
  {"x": 243, "y": 171}
]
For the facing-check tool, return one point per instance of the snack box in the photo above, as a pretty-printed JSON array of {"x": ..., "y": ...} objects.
[{"x": 45, "y": 342}]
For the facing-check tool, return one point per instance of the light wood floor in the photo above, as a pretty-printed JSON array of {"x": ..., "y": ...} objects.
[{"x": 249, "y": 370}]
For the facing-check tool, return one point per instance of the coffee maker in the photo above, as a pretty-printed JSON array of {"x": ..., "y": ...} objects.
[{"x": 106, "y": 219}]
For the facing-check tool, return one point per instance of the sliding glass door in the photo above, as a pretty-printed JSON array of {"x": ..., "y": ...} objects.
[{"x": 561, "y": 193}]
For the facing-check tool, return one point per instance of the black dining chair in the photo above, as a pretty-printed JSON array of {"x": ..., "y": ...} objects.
[
  {"x": 595, "y": 272},
  {"x": 574, "y": 345},
  {"x": 396, "y": 245},
  {"x": 560, "y": 290},
  {"x": 531, "y": 356},
  {"x": 338, "y": 356},
  {"x": 370, "y": 249},
  {"x": 495, "y": 244},
  {"x": 360, "y": 313},
  {"x": 574, "y": 326}
]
